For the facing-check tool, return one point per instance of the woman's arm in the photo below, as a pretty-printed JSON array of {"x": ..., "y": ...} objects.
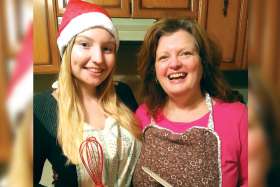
[
  {"x": 243, "y": 166},
  {"x": 39, "y": 155}
]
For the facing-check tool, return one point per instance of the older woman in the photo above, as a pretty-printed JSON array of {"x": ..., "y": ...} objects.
[{"x": 195, "y": 127}]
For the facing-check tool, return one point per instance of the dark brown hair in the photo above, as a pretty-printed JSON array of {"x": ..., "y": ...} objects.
[{"x": 212, "y": 79}]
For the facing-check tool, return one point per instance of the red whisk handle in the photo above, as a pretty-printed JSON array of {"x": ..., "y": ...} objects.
[{"x": 99, "y": 185}]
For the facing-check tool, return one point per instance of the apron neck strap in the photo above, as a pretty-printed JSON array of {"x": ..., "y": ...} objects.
[
  {"x": 209, "y": 104},
  {"x": 208, "y": 101}
]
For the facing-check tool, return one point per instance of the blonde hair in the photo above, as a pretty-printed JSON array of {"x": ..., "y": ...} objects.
[
  {"x": 70, "y": 114},
  {"x": 21, "y": 167}
]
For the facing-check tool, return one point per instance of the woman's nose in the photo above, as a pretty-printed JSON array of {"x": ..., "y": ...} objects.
[
  {"x": 175, "y": 62},
  {"x": 96, "y": 55}
]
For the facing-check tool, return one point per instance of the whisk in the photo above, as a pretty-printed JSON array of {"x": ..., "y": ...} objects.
[{"x": 91, "y": 154}]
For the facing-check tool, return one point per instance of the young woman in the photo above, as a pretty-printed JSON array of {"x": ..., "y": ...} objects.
[
  {"x": 86, "y": 104},
  {"x": 195, "y": 129}
]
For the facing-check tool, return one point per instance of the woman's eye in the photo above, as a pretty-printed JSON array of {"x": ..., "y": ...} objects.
[
  {"x": 162, "y": 58},
  {"x": 108, "y": 49},
  {"x": 84, "y": 44},
  {"x": 186, "y": 53}
]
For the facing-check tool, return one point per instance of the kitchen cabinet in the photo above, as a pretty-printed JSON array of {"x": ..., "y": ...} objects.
[
  {"x": 116, "y": 8},
  {"x": 264, "y": 40},
  {"x": 145, "y": 8},
  {"x": 45, "y": 52},
  {"x": 226, "y": 24},
  {"x": 225, "y": 21},
  {"x": 167, "y": 8}
]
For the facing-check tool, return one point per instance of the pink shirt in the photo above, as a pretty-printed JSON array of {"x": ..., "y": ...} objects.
[{"x": 231, "y": 124}]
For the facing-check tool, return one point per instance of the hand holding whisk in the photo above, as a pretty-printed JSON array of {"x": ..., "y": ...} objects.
[{"x": 91, "y": 154}]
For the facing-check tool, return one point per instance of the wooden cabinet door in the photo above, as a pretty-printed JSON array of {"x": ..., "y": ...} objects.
[
  {"x": 45, "y": 52},
  {"x": 166, "y": 8},
  {"x": 226, "y": 23},
  {"x": 116, "y": 8}
]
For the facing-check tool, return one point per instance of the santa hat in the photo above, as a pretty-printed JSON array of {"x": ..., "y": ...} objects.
[
  {"x": 80, "y": 16},
  {"x": 20, "y": 87}
]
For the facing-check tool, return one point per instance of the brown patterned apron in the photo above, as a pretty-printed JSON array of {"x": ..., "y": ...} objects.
[{"x": 189, "y": 159}]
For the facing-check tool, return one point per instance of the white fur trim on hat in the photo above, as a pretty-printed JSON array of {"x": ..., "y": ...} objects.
[{"x": 82, "y": 23}]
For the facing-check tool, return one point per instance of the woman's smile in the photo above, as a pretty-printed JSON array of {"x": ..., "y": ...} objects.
[{"x": 94, "y": 70}]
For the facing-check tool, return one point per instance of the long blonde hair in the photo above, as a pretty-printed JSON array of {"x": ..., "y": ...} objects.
[
  {"x": 71, "y": 116},
  {"x": 20, "y": 170}
]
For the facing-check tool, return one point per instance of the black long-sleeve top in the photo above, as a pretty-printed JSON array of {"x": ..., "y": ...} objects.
[{"x": 45, "y": 136}]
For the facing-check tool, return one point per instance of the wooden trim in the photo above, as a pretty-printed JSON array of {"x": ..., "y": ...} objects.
[
  {"x": 245, "y": 51},
  {"x": 270, "y": 38},
  {"x": 256, "y": 20},
  {"x": 242, "y": 34},
  {"x": 53, "y": 26},
  {"x": 202, "y": 13},
  {"x": 5, "y": 131},
  {"x": 3, "y": 36}
]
